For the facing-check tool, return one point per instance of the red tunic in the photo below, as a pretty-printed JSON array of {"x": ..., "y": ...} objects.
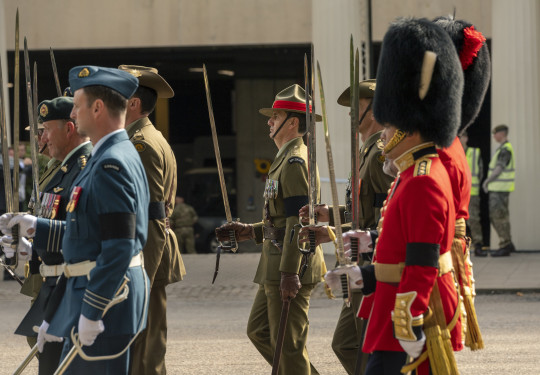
[
  {"x": 419, "y": 210},
  {"x": 455, "y": 162}
]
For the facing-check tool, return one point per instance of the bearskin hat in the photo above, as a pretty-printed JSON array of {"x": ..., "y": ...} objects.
[
  {"x": 474, "y": 57},
  {"x": 398, "y": 101}
]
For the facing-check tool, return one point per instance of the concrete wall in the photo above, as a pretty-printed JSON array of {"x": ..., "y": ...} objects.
[
  {"x": 515, "y": 98},
  {"x": 133, "y": 23}
]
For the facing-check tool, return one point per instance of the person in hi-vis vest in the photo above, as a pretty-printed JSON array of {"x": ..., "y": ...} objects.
[
  {"x": 499, "y": 183},
  {"x": 476, "y": 166}
]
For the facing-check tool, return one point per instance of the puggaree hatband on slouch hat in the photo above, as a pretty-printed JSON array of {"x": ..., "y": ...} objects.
[
  {"x": 149, "y": 77},
  {"x": 118, "y": 80},
  {"x": 419, "y": 81},
  {"x": 291, "y": 99},
  {"x": 474, "y": 57},
  {"x": 55, "y": 109}
]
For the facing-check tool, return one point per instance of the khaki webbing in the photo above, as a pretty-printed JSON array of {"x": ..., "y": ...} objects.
[{"x": 391, "y": 273}]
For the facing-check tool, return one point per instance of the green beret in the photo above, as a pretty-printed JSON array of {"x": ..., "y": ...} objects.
[
  {"x": 500, "y": 128},
  {"x": 367, "y": 90},
  {"x": 87, "y": 75},
  {"x": 55, "y": 109}
]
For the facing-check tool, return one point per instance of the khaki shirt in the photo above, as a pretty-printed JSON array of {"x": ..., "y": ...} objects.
[
  {"x": 162, "y": 259},
  {"x": 374, "y": 184},
  {"x": 290, "y": 171}
]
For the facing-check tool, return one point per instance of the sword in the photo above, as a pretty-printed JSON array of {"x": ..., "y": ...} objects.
[
  {"x": 33, "y": 125},
  {"x": 16, "y": 136},
  {"x": 312, "y": 164},
  {"x": 281, "y": 335},
  {"x": 228, "y": 245},
  {"x": 355, "y": 146},
  {"x": 8, "y": 187},
  {"x": 55, "y": 73},
  {"x": 10, "y": 271},
  {"x": 335, "y": 202}
]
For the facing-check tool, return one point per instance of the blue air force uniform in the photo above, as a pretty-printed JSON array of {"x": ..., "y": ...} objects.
[{"x": 108, "y": 225}]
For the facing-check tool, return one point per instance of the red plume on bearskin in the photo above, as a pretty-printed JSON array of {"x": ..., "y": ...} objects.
[{"x": 472, "y": 42}]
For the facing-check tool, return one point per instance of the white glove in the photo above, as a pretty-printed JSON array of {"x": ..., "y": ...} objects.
[
  {"x": 27, "y": 224},
  {"x": 414, "y": 348},
  {"x": 44, "y": 337},
  {"x": 24, "y": 248},
  {"x": 364, "y": 241},
  {"x": 89, "y": 330},
  {"x": 4, "y": 220},
  {"x": 333, "y": 277}
]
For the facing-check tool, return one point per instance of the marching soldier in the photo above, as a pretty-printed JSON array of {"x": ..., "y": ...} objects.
[
  {"x": 182, "y": 220},
  {"x": 278, "y": 271},
  {"x": 72, "y": 149},
  {"x": 474, "y": 58},
  {"x": 374, "y": 184},
  {"x": 103, "y": 234},
  {"x": 162, "y": 259},
  {"x": 418, "y": 99}
]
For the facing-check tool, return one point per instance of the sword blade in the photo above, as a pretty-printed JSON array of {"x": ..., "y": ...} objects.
[
  {"x": 5, "y": 152},
  {"x": 10, "y": 271},
  {"x": 355, "y": 142},
  {"x": 26, "y": 360},
  {"x": 55, "y": 73},
  {"x": 16, "y": 135},
  {"x": 331, "y": 170},
  {"x": 216, "y": 147},
  {"x": 33, "y": 128}
]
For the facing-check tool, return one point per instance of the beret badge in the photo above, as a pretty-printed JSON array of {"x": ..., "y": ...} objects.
[
  {"x": 84, "y": 73},
  {"x": 43, "y": 110}
]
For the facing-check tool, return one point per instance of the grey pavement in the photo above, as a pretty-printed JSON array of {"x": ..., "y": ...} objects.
[
  {"x": 206, "y": 323},
  {"x": 518, "y": 272}
]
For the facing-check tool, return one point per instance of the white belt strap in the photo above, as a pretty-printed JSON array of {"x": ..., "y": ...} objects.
[
  {"x": 50, "y": 271},
  {"x": 84, "y": 268}
]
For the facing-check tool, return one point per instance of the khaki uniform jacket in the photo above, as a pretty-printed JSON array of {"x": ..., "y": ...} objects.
[
  {"x": 162, "y": 259},
  {"x": 291, "y": 171},
  {"x": 374, "y": 184}
]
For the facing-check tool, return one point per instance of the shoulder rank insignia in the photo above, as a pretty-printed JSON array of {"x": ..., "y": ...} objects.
[
  {"x": 296, "y": 159},
  {"x": 422, "y": 167},
  {"x": 82, "y": 161},
  {"x": 111, "y": 166},
  {"x": 58, "y": 189},
  {"x": 140, "y": 147}
]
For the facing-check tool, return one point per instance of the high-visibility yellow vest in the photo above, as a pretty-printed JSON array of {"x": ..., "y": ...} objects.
[
  {"x": 473, "y": 158},
  {"x": 505, "y": 181}
]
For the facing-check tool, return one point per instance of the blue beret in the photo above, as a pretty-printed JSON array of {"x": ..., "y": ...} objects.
[
  {"x": 55, "y": 109},
  {"x": 87, "y": 75}
]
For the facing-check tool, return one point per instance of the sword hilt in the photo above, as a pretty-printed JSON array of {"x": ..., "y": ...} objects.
[
  {"x": 345, "y": 289},
  {"x": 354, "y": 250},
  {"x": 14, "y": 262},
  {"x": 232, "y": 244}
]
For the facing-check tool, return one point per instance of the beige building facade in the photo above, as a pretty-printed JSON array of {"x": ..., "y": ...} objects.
[{"x": 512, "y": 28}]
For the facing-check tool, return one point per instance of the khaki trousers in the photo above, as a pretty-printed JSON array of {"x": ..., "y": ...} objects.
[
  {"x": 147, "y": 354},
  {"x": 347, "y": 340},
  {"x": 263, "y": 326}
]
